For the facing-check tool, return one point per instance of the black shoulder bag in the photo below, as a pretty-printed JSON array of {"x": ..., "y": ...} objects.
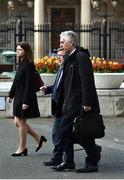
[
  {"x": 88, "y": 124},
  {"x": 38, "y": 81}
]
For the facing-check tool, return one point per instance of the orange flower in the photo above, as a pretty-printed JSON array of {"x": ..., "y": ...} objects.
[
  {"x": 47, "y": 64},
  {"x": 102, "y": 65}
]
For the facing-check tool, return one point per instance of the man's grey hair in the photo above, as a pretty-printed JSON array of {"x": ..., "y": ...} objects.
[{"x": 70, "y": 36}]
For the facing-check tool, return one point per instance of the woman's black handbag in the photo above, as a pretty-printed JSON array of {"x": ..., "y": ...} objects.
[
  {"x": 38, "y": 81},
  {"x": 88, "y": 124}
]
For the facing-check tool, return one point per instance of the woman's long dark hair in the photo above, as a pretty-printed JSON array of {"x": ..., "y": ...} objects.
[{"x": 28, "y": 51}]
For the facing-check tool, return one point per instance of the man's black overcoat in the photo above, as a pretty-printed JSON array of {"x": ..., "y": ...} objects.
[{"x": 78, "y": 86}]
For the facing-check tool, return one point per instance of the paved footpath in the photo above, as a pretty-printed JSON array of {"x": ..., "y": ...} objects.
[{"x": 111, "y": 165}]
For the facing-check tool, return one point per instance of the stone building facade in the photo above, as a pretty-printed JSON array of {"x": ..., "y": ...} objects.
[{"x": 77, "y": 12}]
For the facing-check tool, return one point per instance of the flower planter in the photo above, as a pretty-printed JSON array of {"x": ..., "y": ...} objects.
[
  {"x": 48, "y": 78},
  {"x": 102, "y": 80},
  {"x": 108, "y": 80}
]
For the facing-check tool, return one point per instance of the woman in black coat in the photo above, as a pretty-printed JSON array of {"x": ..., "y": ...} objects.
[{"x": 25, "y": 103}]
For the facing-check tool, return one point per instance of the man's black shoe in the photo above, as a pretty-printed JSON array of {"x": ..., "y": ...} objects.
[
  {"x": 87, "y": 169},
  {"x": 51, "y": 163},
  {"x": 64, "y": 166}
]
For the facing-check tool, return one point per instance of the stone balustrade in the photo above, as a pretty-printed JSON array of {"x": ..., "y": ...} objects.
[{"x": 111, "y": 102}]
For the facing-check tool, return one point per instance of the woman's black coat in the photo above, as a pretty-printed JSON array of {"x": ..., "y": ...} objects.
[{"x": 23, "y": 91}]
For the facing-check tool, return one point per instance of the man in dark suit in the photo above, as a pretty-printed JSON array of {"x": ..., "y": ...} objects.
[
  {"x": 57, "y": 155},
  {"x": 78, "y": 93}
]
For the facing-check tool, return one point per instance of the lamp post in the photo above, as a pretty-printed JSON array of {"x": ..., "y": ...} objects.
[
  {"x": 102, "y": 10},
  {"x": 21, "y": 4}
]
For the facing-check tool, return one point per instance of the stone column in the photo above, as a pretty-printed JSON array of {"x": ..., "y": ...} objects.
[
  {"x": 38, "y": 21},
  {"x": 85, "y": 20}
]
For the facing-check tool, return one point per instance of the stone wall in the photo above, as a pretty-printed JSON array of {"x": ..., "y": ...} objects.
[{"x": 111, "y": 103}]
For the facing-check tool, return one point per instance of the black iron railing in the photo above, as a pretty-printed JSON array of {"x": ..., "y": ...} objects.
[{"x": 108, "y": 42}]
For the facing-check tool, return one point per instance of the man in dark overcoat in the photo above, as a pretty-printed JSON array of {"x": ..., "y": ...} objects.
[{"x": 78, "y": 93}]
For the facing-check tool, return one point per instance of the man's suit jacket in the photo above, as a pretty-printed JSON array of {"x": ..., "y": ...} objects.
[{"x": 55, "y": 91}]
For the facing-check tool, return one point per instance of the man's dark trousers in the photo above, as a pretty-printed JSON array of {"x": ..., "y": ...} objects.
[{"x": 58, "y": 148}]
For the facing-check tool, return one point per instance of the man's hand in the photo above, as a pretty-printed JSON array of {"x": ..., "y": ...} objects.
[
  {"x": 87, "y": 108},
  {"x": 43, "y": 88},
  {"x": 9, "y": 100},
  {"x": 25, "y": 106}
]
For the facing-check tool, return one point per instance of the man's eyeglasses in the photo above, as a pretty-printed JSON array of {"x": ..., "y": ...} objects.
[{"x": 59, "y": 56}]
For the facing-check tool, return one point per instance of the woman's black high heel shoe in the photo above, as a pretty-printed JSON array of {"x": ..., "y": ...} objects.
[
  {"x": 42, "y": 139},
  {"x": 23, "y": 153}
]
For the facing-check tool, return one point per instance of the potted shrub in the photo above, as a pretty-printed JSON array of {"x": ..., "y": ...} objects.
[
  {"x": 108, "y": 74},
  {"x": 47, "y": 67}
]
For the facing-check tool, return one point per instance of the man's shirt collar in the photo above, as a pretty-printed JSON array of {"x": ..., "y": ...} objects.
[{"x": 72, "y": 51}]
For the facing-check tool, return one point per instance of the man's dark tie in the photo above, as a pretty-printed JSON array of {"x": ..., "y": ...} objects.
[{"x": 57, "y": 81}]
